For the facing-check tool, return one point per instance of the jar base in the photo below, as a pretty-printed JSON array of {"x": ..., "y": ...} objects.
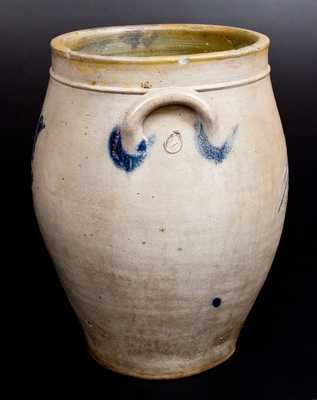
[{"x": 157, "y": 376}]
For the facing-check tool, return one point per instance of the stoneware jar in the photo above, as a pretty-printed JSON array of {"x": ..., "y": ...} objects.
[{"x": 160, "y": 185}]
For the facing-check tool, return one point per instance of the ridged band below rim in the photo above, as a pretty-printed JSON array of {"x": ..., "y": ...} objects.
[{"x": 137, "y": 90}]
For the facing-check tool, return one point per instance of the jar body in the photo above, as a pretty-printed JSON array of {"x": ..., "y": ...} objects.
[{"x": 161, "y": 263}]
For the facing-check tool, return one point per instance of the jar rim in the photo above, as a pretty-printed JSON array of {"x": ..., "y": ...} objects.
[{"x": 85, "y": 45}]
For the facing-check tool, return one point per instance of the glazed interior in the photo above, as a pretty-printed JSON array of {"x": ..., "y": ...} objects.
[
  {"x": 159, "y": 42},
  {"x": 143, "y": 43}
]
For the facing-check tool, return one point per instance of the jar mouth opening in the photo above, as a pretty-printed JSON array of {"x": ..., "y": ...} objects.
[{"x": 158, "y": 43}]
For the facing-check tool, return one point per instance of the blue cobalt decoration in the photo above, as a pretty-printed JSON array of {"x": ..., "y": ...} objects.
[
  {"x": 210, "y": 152},
  {"x": 122, "y": 159},
  {"x": 129, "y": 162},
  {"x": 285, "y": 186},
  {"x": 39, "y": 127}
]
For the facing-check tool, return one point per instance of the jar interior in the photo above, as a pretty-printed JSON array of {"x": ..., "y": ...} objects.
[{"x": 149, "y": 43}]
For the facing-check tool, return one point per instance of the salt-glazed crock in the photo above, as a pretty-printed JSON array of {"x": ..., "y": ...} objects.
[{"x": 160, "y": 185}]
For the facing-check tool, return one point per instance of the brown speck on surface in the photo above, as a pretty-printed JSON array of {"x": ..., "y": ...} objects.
[
  {"x": 63, "y": 178},
  {"x": 220, "y": 340},
  {"x": 146, "y": 85},
  {"x": 93, "y": 83},
  {"x": 144, "y": 242},
  {"x": 180, "y": 249},
  {"x": 86, "y": 157},
  {"x": 153, "y": 197},
  {"x": 162, "y": 229},
  {"x": 224, "y": 337},
  {"x": 79, "y": 165},
  {"x": 85, "y": 133},
  {"x": 138, "y": 194}
]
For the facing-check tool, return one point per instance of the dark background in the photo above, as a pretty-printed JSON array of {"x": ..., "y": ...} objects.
[{"x": 276, "y": 356}]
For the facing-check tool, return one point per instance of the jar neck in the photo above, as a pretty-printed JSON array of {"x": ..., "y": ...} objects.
[{"x": 125, "y": 78}]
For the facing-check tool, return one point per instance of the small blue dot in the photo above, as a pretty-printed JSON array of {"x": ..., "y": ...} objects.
[{"x": 216, "y": 302}]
